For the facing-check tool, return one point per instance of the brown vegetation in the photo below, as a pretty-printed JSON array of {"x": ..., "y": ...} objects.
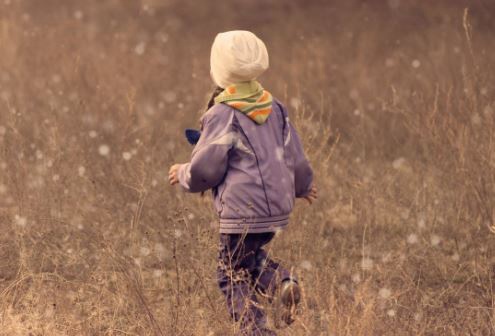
[{"x": 395, "y": 101}]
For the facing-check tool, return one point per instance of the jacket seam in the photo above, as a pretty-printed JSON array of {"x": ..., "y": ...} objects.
[{"x": 257, "y": 165}]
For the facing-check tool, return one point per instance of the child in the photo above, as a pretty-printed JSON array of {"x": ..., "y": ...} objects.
[{"x": 251, "y": 157}]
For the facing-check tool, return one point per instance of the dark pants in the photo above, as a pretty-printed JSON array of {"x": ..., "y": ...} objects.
[{"x": 244, "y": 269}]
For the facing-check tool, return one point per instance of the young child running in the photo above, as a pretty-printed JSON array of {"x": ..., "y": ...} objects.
[{"x": 251, "y": 157}]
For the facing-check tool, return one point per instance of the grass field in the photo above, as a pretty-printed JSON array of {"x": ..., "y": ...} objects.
[{"x": 394, "y": 100}]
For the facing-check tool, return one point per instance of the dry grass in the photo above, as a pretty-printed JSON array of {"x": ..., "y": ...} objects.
[{"x": 395, "y": 101}]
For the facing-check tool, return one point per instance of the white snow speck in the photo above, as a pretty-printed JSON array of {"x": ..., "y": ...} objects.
[
  {"x": 384, "y": 293},
  {"x": 159, "y": 250},
  {"x": 391, "y": 313},
  {"x": 93, "y": 134},
  {"x": 55, "y": 177},
  {"x": 356, "y": 278},
  {"x": 476, "y": 119},
  {"x": 367, "y": 264},
  {"x": 126, "y": 156},
  {"x": 295, "y": 103},
  {"x": 140, "y": 48},
  {"x": 435, "y": 240},
  {"x": 398, "y": 163},
  {"x": 144, "y": 251},
  {"x": 421, "y": 223},
  {"x": 306, "y": 264},
  {"x": 357, "y": 112},
  {"x": 416, "y": 64},
  {"x": 56, "y": 78},
  {"x": 81, "y": 170},
  {"x": 177, "y": 233},
  {"x": 412, "y": 238},
  {"x": 78, "y": 14},
  {"x": 354, "y": 94},
  {"x": 21, "y": 221},
  {"x": 170, "y": 96},
  {"x": 104, "y": 150},
  {"x": 279, "y": 154},
  {"x": 191, "y": 216}
]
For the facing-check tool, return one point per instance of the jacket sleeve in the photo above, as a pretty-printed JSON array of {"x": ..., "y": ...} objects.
[
  {"x": 209, "y": 159},
  {"x": 303, "y": 173}
]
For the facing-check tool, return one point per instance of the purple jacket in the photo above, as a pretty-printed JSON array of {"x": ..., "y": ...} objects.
[{"x": 255, "y": 171}]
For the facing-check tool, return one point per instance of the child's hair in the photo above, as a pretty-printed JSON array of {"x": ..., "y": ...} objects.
[{"x": 215, "y": 93}]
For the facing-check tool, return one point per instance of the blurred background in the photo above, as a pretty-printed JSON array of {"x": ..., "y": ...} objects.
[{"x": 394, "y": 101}]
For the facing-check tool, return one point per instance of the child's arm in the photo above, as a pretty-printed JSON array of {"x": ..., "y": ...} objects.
[
  {"x": 209, "y": 158},
  {"x": 303, "y": 173}
]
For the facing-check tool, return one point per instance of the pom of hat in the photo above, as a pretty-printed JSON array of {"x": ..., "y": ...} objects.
[{"x": 237, "y": 56}]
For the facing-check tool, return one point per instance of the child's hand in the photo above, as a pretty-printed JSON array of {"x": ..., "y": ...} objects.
[
  {"x": 312, "y": 196},
  {"x": 172, "y": 174}
]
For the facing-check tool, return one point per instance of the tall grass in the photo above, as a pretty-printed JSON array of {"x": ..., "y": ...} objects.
[{"x": 395, "y": 104}]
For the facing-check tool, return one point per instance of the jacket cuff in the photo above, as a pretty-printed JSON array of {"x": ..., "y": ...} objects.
[{"x": 184, "y": 176}]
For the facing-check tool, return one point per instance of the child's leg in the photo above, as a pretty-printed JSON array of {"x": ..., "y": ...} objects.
[
  {"x": 237, "y": 262},
  {"x": 269, "y": 274}
]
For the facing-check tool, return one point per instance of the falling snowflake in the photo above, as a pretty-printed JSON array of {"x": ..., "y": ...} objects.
[
  {"x": 21, "y": 221},
  {"x": 412, "y": 238},
  {"x": 306, "y": 264},
  {"x": 81, "y": 170},
  {"x": 391, "y": 313},
  {"x": 476, "y": 119},
  {"x": 356, "y": 278},
  {"x": 421, "y": 223},
  {"x": 191, "y": 216},
  {"x": 78, "y": 14},
  {"x": 367, "y": 264},
  {"x": 279, "y": 154},
  {"x": 144, "y": 251},
  {"x": 416, "y": 64},
  {"x": 93, "y": 134},
  {"x": 384, "y": 293},
  {"x": 104, "y": 150},
  {"x": 295, "y": 103},
  {"x": 398, "y": 163},
  {"x": 435, "y": 240},
  {"x": 177, "y": 233},
  {"x": 170, "y": 96},
  {"x": 159, "y": 250},
  {"x": 140, "y": 48},
  {"x": 126, "y": 156}
]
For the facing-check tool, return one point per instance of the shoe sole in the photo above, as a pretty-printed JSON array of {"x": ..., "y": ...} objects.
[{"x": 289, "y": 299}]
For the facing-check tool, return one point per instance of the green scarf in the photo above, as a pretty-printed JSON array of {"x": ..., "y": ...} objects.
[{"x": 248, "y": 97}]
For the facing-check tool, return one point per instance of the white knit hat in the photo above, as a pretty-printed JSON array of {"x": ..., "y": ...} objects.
[{"x": 237, "y": 56}]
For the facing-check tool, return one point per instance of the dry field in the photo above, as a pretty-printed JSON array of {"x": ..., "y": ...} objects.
[{"x": 395, "y": 101}]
